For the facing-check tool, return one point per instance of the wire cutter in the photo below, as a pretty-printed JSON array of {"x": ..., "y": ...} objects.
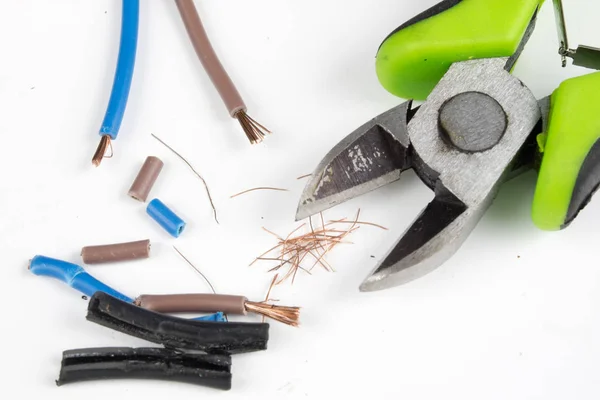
[{"x": 478, "y": 127}]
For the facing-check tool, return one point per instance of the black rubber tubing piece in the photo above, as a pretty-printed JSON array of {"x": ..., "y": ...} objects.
[
  {"x": 177, "y": 333},
  {"x": 106, "y": 363}
]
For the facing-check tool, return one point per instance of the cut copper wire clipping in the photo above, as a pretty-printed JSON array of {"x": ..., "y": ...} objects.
[
  {"x": 259, "y": 188},
  {"x": 196, "y": 269},
  {"x": 215, "y": 70},
  {"x": 212, "y": 204},
  {"x": 308, "y": 250},
  {"x": 201, "y": 274},
  {"x": 100, "y": 153}
]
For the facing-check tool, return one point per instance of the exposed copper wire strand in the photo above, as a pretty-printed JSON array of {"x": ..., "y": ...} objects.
[
  {"x": 362, "y": 223},
  {"x": 199, "y": 272},
  {"x": 212, "y": 204},
  {"x": 253, "y": 130},
  {"x": 100, "y": 153},
  {"x": 259, "y": 188},
  {"x": 196, "y": 269},
  {"x": 272, "y": 233},
  {"x": 287, "y": 315},
  {"x": 303, "y": 176},
  {"x": 268, "y": 296}
]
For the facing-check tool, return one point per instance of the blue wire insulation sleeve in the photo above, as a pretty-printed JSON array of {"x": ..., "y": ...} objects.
[
  {"x": 216, "y": 317},
  {"x": 166, "y": 218},
  {"x": 124, "y": 72},
  {"x": 73, "y": 275}
]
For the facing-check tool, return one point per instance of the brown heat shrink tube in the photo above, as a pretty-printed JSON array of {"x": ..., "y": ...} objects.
[
  {"x": 209, "y": 59},
  {"x": 116, "y": 252},
  {"x": 142, "y": 185},
  {"x": 193, "y": 303}
]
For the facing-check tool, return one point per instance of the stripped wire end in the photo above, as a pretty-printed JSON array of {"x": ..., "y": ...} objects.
[
  {"x": 100, "y": 153},
  {"x": 287, "y": 315},
  {"x": 253, "y": 130}
]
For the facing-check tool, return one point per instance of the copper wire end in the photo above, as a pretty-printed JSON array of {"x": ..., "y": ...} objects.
[
  {"x": 100, "y": 153},
  {"x": 254, "y": 131},
  {"x": 287, "y": 315}
]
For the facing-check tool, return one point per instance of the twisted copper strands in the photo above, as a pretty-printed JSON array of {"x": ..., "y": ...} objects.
[
  {"x": 215, "y": 70},
  {"x": 253, "y": 130},
  {"x": 286, "y": 315}
]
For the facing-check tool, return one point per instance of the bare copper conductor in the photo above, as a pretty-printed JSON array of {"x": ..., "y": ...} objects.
[{"x": 100, "y": 153}]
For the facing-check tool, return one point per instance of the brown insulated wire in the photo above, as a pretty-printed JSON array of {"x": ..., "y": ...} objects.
[
  {"x": 193, "y": 303},
  {"x": 219, "y": 77},
  {"x": 116, "y": 252},
  {"x": 209, "y": 303}
]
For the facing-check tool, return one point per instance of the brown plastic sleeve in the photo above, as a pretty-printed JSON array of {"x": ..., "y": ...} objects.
[
  {"x": 140, "y": 189},
  {"x": 193, "y": 303},
  {"x": 209, "y": 59},
  {"x": 116, "y": 252}
]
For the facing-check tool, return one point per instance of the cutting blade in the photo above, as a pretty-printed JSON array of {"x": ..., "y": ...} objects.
[
  {"x": 436, "y": 234},
  {"x": 372, "y": 156},
  {"x": 464, "y": 146}
]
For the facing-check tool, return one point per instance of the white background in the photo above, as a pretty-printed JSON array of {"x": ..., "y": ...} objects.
[{"x": 514, "y": 315}]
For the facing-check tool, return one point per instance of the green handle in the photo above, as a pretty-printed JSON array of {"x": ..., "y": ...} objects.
[
  {"x": 570, "y": 169},
  {"x": 413, "y": 59}
]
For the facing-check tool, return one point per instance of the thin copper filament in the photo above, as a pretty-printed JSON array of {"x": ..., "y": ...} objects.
[
  {"x": 258, "y": 188},
  {"x": 212, "y": 204}
]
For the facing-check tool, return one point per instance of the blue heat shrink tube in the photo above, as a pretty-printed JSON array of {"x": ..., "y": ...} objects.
[{"x": 166, "y": 218}]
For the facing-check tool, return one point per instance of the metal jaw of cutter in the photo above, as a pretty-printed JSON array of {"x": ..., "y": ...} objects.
[{"x": 475, "y": 131}]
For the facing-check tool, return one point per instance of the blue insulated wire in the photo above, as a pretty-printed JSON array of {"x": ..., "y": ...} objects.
[
  {"x": 73, "y": 275},
  {"x": 124, "y": 72}
]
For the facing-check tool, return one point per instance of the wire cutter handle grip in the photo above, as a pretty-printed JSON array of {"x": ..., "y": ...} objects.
[{"x": 414, "y": 57}]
